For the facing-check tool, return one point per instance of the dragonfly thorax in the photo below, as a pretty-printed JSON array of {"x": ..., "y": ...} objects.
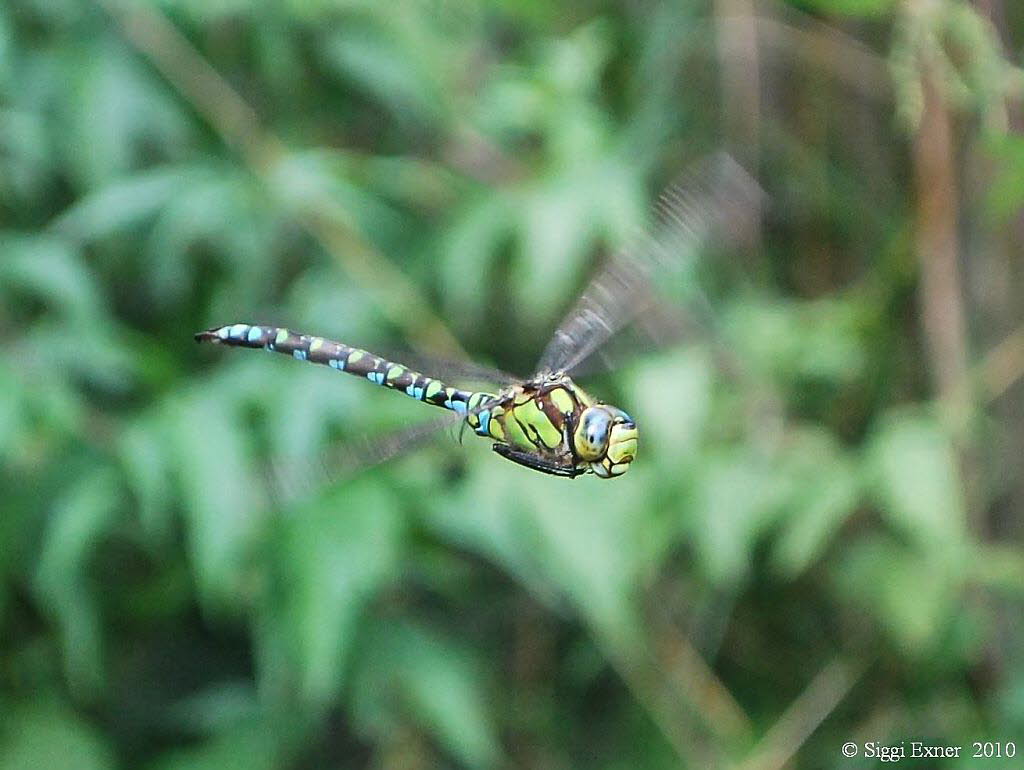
[{"x": 551, "y": 424}]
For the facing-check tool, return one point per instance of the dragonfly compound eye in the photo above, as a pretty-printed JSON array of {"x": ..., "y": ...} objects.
[{"x": 591, "y": 437}]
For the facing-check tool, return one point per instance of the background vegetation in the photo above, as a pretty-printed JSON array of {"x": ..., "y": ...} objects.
[{"x": 819, "y": 543}]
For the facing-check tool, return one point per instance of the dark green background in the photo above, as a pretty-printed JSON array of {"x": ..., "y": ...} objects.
[{"x": 819, "y": 542}]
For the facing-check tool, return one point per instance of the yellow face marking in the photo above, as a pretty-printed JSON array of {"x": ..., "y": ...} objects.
[{"x": 620, "y": 450}]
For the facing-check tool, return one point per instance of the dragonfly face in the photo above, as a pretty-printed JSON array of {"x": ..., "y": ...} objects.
[{"x": 606, "y": 438}]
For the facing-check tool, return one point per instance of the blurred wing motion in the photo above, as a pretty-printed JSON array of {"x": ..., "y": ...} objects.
[
  {"x": 715, "y": 197},
  {"x": 291, "y": 480}
]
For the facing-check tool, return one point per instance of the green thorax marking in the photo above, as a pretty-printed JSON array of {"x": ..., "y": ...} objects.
[{"x": 539, "y": 417}]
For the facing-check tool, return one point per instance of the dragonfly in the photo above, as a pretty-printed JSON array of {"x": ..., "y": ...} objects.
[{"x": 547, "y": 422}]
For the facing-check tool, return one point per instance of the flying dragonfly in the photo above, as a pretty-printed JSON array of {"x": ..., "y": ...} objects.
[{"x": 547, "y": 422}]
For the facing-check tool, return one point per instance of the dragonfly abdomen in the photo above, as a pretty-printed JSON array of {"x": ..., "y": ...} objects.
[{"x": 345, "y": 358}]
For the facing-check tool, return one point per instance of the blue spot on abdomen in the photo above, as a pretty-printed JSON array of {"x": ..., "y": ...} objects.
[{"x": 485, "y": 422}]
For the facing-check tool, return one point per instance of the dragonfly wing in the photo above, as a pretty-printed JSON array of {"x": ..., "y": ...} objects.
[
  {"x": 291, "y": 479},
  {"x": 657, "y": 325},
  {"x": 714, "y": 195}
]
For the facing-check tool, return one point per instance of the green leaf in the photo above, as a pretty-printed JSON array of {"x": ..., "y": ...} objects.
[
  {"x": 117, "y": 113},
  {"x": 122, "y": 203},
  {"x": 215, "y": 209},
  {"x": 577, "y": 543},
  {"x": 26, "y": 156},
  {"x": 99, "y": 354},
  {"x": 53, "y": 270},
  {"x": 557, "y": 233},
  {"x": 914, "y": 477},
  {"x": 7, "y": 57},
  {"x": 467, "y": 249},
  {"x": 223, "y": 506},
  {"x": 80, "y": 519},
  {"x": 250, "y": 747},
  {"x": 822, "y": 490},
  {"x": 438, "y": 681},
  {"x": 382, "y": 64},
  {"x": 913, "y": 596},
  {"x": 861, "y": 8},
  {"x": 334, "y": 556},
  {"x": 146, "y": 457},
  {"x": 1006, "y": 192},
  {"x": 730, "y": 508},
  {"x": 673, "y": 404},
  {"x": 815, "y": 340},
  {"x": 42, "y": 734},
  {"x": 12, "y": 410},
  {"x": 219, "y": 708}
]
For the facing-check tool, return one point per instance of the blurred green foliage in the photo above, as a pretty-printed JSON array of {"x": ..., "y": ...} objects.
[{"x": 809, "y": 549}]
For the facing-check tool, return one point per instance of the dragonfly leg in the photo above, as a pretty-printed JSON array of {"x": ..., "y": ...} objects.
[{"x": 537, "y": 463}]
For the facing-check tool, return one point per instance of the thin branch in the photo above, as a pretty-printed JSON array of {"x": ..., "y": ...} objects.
[
  {"x": 691, "y": 739},
  {"x": 802, "y": 718},
  {"x": 819, "y": 45},
  {"x": 737, "y": 43},
  {"x": 238, "y": 126},
  {"x": 693, "y": 679},
  {"x": 941, "y": 293},
  {"x": 1003, "y": 365}
]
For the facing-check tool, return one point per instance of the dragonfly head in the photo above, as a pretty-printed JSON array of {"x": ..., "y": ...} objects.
[{"x": 606, "y": 438}]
